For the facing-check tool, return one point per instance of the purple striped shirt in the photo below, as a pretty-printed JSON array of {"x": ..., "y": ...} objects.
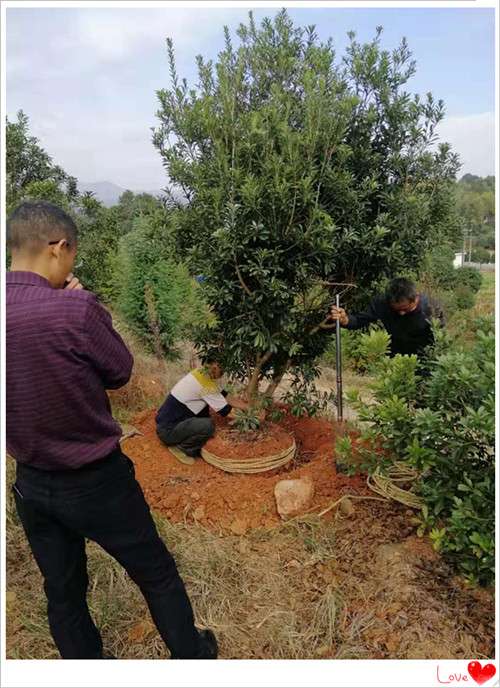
[{"x": 62, "y": 355}]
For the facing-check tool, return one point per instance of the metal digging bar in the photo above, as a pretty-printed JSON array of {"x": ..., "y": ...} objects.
[{"x": 338, "y": 352}]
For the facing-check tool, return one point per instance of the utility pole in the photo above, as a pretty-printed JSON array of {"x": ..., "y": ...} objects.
[{"x": 470, "y": 247}]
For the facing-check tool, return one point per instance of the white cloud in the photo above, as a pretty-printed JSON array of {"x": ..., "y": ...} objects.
[
  {"x": 473, "y": 138},
  {"x": 115, "y": 34}
]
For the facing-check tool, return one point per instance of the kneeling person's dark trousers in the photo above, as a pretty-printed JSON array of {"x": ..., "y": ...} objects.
[
  {"x": 189, "y": 435},
  {"x": 102, "y": 502}
]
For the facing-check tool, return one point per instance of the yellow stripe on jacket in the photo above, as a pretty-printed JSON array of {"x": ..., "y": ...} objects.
[{"x": 205, "y": 381}]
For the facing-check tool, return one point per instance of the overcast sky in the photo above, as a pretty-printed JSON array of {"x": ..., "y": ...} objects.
[{"x": 87, "y": 77}]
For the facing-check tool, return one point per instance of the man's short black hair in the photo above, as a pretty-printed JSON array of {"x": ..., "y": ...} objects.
[
  {"x": 33, "y": 224},
  {"x": 401, "y": 289},
  {"x": 210, "y": 358}
]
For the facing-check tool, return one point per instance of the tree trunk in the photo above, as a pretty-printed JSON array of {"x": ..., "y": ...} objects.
[
  {"x": 253, "y": 383},
  {"x": 277, "y": 377},
  {"x": 154, "y": 324}
]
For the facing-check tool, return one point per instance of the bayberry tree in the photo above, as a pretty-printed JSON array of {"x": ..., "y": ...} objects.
[{"x": 300, "y": 172}]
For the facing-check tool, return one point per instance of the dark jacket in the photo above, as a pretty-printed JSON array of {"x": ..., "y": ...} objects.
[{"x": 410, "y": 333}]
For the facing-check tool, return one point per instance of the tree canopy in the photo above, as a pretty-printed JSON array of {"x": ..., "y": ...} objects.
[
  {"x": 302, "y": 172},
  {"x": 28, "y": 164}
]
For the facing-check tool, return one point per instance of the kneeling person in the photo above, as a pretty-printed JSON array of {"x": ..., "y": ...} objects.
[{"x": 183, "y": 422}]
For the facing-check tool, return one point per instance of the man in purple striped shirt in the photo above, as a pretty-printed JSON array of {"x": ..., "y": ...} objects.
[{"x": 73, "y": 482}]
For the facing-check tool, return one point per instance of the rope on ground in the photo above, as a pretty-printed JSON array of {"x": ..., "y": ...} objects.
[
  {"x": 386, "y": 484},
  {"x": 348, "y": 496},
  {"x": 251, "y": 465}
]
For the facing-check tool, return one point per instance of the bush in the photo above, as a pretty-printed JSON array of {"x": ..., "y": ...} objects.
[
  {"x": 247, "y": 420},
  {"x": 482, "y": 255},
  {"x": 463, "y": 298},
  {"x": 97, "y": 248},
  {"x": 155, "y": 292},
  {"x": 443, "y": 426},
  {"x": 470, "y": 278},
  {"x": 361, "y": 351},
  {"x": 453, "y": 288}
]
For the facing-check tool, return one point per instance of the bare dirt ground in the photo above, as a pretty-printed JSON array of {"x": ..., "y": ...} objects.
[{"x": 227, "y": 502}]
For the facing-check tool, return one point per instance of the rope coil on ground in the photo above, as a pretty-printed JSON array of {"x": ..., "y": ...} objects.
[
  {"x": 385, "y": 484},
  {"x": 251, "y": 465}
]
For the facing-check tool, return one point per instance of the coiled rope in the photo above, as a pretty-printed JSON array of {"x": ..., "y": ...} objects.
[
  {"x": 251, "y": 465},
  {"x": 386, "y": 484}
]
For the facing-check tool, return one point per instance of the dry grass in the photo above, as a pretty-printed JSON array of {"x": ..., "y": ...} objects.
[
  {"x": 354, "y": 588},
  {"x": 484, "y": 305},
  {"x": 485, "y": 299}
]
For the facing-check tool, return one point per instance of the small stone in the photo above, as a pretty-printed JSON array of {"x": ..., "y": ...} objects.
[
  {"x": 195, "y": 495},
  {"x": 199, "y": 513},
  {"x": 243, "y": 546},
  {"x": 346, "y": 507},
  {"x": 293, "y": 497},
  {"x": 323, "y": 651},
  {"x": 239, "y": 526}
]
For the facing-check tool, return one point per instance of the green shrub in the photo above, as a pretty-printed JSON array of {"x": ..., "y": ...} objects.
[
  {"x": 361, "y": 351},
  {"x": 443, "y": 426},
  {"x": 482, "y": 255},
  {"x": 373, "y": 348},
  {"x": 155, "y": 292},
  {"x": 453, "y": 288},
  {"x": 438, "y": 270},
  {"x": 303, "y": 397},
  {"x": 469, "y": 277},
  {"x": 463, "y": 298},
  {"x": 246, "y": 420}
]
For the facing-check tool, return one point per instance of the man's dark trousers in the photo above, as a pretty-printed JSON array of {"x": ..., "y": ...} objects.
[
  {"x": 102, "y": 502},
  {"x": 189, "y": 435}
]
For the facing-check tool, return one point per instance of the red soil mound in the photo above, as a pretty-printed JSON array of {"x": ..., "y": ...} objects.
[
  {"x": 231, "y": 444},
  {"x": 235, "y": 502}
]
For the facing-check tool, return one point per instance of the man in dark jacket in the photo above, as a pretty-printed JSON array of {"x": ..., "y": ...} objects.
[
  {"x": 405, "y": 314},
  {"x": 73, "y": 481}
]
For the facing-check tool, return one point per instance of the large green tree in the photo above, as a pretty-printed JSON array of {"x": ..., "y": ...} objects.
[
  {"x": 301, "y": 172},
  {"x": 28, "y": 165}
]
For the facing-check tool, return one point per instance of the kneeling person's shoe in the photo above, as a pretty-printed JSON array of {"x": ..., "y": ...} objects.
[{"x": 181, "y": 456}]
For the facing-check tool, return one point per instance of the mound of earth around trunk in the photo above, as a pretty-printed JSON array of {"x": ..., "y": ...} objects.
[
  {"x": 234, "y": 502},
  {"x": 231, "y": 444}
]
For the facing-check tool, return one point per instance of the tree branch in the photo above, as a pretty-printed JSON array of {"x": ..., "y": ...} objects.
[
  {"x": 277, "y": 377},
  {"x": 240, "y": 278},
  {"x": 323, "y": 325}
]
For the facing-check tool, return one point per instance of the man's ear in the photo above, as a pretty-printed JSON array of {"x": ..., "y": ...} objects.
[{"x": 56, "y": 250}]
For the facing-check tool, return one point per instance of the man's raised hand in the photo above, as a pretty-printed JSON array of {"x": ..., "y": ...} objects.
[
  {"x": 339, "y": 314},
  {"x": 73, "y": 282}
]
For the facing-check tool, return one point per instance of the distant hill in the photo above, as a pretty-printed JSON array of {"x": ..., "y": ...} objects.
[{"x": 109, "y": 193}]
